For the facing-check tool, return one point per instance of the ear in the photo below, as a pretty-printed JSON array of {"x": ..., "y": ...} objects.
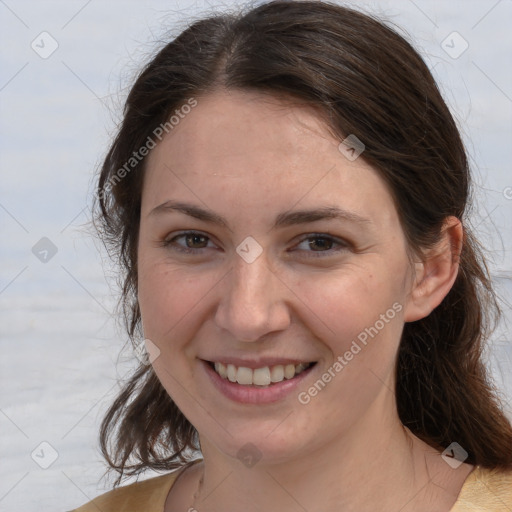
[{"x": 436, "y": 273}]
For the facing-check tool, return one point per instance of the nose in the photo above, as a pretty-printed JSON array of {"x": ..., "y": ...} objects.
[{"x": 253, "y": 302}]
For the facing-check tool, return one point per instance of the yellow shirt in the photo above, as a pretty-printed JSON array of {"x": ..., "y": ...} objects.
[{"x": 483, "y": 491}]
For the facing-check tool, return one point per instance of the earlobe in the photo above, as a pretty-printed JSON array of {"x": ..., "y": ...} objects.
[{"x": 435, "y": 275}]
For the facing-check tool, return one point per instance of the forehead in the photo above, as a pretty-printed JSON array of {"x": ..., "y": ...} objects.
[
  {"x": 260, "y": 151},
  {"x": 232, "y": 126}
]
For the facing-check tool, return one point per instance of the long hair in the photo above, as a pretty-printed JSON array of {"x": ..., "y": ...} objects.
[{"x": 366, "y": 80}]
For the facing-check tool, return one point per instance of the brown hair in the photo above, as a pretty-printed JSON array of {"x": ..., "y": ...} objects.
[{"x": 370, "y": 82}]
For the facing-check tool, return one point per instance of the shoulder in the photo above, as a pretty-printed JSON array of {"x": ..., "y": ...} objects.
[
  {"x": 148, "y": 495},
  {"x": 485, "y": 490}
]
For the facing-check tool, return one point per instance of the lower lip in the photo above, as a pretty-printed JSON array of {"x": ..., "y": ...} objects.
[{"x": 252, "y": 394}]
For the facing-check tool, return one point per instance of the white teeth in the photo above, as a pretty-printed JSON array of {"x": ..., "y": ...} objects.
[
  {"x": 231, "y": 371},
  {"x": 289, "y": 371},
  {"x": 260, "y": 376},
  {"x": 244, "y": 375},
  {"x": 300, "y": 368},
  {"x": 277, "y": 373},
  {"x": 221, "y": 370}
]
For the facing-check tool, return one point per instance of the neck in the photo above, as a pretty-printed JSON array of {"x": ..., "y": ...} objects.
[{"x": 354, "y": 472}]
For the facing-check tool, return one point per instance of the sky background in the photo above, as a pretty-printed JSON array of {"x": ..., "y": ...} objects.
[{"x": 61, "y": 346}]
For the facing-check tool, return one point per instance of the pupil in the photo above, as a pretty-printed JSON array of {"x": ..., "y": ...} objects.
[
  {"x": 324, "y": 243},
  {"x": 195, "y": 239}
]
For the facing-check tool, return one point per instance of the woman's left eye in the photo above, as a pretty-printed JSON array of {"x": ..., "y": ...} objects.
[{"x": 320, "y": 243}]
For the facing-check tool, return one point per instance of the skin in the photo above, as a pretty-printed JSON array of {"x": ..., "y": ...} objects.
[{"x": 249, "y": 157}]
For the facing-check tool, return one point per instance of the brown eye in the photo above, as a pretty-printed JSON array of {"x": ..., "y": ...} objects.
[
  {"x": 195, "y": 240},
  {"x": 189, "y": 242},
  {"x": 320, "y": 245}
]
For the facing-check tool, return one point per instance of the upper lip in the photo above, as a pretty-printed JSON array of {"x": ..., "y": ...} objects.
[{"x": 258, "y": 363}]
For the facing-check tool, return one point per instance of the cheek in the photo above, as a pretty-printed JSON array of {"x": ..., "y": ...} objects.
[
  {"x": 168, "y": 298},
  {"x": 361, "y": 324},
  {"x": 172, "y": 307},
  {"x": 344, "y": 305}
]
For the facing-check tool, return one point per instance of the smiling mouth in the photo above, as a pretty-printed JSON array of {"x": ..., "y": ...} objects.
[{"x": 259, "y": 377}]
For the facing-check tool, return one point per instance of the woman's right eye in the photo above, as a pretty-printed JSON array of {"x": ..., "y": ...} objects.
[{"x": 191, "y": 242}]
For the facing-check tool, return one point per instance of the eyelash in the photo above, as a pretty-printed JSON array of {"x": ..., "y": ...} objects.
[{"x": 343, "y": 245}]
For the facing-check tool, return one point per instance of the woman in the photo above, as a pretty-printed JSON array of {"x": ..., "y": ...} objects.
[{"x": 287, "y": 194}]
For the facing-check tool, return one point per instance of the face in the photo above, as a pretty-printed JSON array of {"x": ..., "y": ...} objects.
[{"x": 264, "y": 248}]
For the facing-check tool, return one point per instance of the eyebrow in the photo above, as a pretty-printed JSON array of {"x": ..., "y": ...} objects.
[{"x": 284, "y": 219}]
